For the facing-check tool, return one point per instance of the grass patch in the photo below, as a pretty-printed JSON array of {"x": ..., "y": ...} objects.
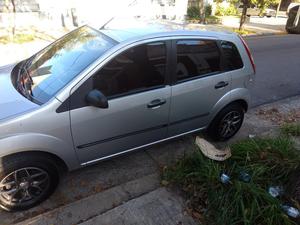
[
  {"x": 243, "y": 31},
  {"x": 292, "y": 129},
  {"x": 268, "y": 161},
  {"x": 18, "y": 38},
  {"x": 213, "y": 20}
]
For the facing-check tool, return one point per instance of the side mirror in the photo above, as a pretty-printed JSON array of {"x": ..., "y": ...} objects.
[{"x": 97, "y": 99}]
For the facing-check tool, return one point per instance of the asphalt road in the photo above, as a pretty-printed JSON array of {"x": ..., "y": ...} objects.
[{"x": 277, "y": 60}]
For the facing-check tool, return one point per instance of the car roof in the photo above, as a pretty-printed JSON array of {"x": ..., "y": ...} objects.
[{"x": 149, "y": 30}]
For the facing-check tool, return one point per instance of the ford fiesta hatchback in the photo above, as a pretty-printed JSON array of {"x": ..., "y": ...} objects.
[{"x": 96, "y": 94}]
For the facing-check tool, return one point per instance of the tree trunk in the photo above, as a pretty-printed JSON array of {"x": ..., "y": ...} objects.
[
  {"x": 201, "y": 11},
  {"x": 74, "y": 17},
  {"x": 13, "y": 31},
  {"x": 244, "y": 14}
]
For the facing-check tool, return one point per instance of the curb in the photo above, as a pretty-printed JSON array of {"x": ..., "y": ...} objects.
[
  {"x": 94, "y": 205},
  {"x": 159, "y": 207},
  {"x": 265, "y": 34}
]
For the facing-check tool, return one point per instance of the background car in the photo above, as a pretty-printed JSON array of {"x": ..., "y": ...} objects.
[
  {"x": 292, "y": 5},
  {"x": 255, "y": 11},
  {"x": 293, "y": 21}
]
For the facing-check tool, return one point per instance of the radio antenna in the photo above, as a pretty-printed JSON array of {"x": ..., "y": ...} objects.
[{"x": 130, "y": 4}]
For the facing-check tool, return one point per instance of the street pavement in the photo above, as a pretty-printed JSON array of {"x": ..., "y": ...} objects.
[{"x": 277, "y": 60}]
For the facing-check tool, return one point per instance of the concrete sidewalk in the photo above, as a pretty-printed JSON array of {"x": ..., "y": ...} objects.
[
  {"x": 126, "y": 190},
  {"x": 257, "y": 25}
]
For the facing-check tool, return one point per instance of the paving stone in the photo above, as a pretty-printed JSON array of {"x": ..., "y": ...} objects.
[{"x": 158, "y": 207}]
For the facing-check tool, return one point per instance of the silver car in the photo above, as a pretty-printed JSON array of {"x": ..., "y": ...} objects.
[{"x": 95, "y": 94}]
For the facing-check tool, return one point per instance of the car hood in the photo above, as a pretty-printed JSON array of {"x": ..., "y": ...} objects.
[{"x": 12, "y": 103}]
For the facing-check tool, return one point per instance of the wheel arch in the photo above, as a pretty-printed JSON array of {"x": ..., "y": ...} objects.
[
  {"x": 241, "y": 102},
  {"x": 60, "y": 151},
  {"x": 237, "y": 96},
  {"x": 59, "y": 162}
]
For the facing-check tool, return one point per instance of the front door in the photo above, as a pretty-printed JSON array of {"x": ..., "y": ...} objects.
[{"x": 139, "y": 100}]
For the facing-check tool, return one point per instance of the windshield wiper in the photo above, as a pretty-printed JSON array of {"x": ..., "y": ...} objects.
[
  {"x": 24, "y": 81},
  {"x": 28, "y": 84}
]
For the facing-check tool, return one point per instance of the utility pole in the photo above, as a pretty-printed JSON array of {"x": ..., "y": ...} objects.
[{"x": 278, "y": 8}]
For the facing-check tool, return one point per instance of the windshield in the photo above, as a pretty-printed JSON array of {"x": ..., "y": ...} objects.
[{"x": 47, "y": 72}]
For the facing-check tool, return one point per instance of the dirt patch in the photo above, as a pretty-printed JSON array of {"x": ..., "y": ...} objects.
[{"x": 279, "y": 117}]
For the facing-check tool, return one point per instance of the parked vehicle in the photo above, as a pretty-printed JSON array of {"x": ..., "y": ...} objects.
[
  {"x": 293, "y": 21},
  {"x": 269, "y": 12},
  {"x": 96, "y": 94},
  {"x": 254, "y": 11}
]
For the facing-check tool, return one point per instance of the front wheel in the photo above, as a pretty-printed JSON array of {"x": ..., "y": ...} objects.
[
  {"x": 26, "y": 180},
  {"x": 227, "y": 123}
]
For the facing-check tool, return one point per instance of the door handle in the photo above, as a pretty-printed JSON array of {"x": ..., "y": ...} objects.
[
  {"x": 221, "y": 84},
  {"x": 156, "y": 103}
]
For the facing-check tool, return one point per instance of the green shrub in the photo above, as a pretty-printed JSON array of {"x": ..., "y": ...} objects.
[
  {"x": 268, "y": 161},
  {"x": 226, "y": 11},
  {"x": 193, "y": 12},
  {"x": 292, "y": 129},
  {"x": 208, "y": 10}
]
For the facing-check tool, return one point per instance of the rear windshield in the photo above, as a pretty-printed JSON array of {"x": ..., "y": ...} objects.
[{"x": 56, "y": 65}]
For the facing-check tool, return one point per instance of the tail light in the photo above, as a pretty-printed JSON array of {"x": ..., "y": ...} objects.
[{"x": 249, "y": 53}]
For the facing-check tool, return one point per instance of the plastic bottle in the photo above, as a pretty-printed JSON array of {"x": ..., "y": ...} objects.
[
  {"x": 244, "y": 177},
  {"x": 275, "y": 191},
  {"x": 291, "y": 211},
  {"x": 225, "y": 179}
]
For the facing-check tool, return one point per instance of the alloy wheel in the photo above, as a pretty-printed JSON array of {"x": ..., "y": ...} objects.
[
  {"x": 230, "y": 124},
  {"x": 24, "y": 185}
]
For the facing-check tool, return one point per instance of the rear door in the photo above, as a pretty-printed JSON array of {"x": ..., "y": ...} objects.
[{"x": 199, "y": 82}]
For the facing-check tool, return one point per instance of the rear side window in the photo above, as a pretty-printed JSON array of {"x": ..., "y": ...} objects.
[
  {"x": 232, "y": 56},
  {"x": 197, "y": 58}
]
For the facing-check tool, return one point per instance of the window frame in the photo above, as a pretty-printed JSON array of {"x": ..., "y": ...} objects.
[
  {"x": 141, "y": 90},
  {"x": 174, "y": 60},
  {"x": 226, "y": 66}
]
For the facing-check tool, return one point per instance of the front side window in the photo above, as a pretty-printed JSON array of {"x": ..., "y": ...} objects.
[
  {"x": 137, "y": 69},
  {"x": 196, "y": 58}
]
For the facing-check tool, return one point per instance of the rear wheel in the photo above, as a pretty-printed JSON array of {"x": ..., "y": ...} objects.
[
  {"x": 227, "y": 122},
  {"x": 26, "y": 180}
]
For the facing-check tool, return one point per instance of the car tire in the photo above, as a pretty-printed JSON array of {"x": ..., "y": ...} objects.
[
  {"x": 26, "y": 179},
  {"x": 229, "y": 119}
]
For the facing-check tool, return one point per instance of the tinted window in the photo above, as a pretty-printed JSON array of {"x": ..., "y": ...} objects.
[
  {"x": 197, "y": 58},
  {"x": 136, "y": 69},
  {"x": 56, "y": 65},
  {"x": 231, "y": 55}
]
